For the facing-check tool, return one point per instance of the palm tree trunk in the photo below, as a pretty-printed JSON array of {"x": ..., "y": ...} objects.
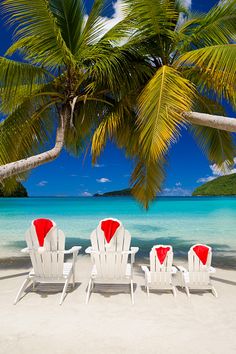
[
  {"x": 20, "y": 166},
  {"x": 212, "y": 121}
]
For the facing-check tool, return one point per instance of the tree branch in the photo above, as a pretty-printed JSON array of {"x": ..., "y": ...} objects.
[
  {"x": 20, "y": 166},
  {"x": 212, "y": 121}
]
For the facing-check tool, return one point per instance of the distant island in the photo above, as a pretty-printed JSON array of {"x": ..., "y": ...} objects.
[
  {"x": 19, "y": 192},
  {"x": 224, "y": 185},
  {"x": 121, "y": 193}
]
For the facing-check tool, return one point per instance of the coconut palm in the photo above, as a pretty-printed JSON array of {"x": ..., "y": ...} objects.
[
  {"x": 68, "y": 78},
  {"x": 193, "y": 58}
]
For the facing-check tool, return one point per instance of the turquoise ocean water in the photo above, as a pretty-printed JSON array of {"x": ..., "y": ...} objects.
[{"x": 177, "y": 221}]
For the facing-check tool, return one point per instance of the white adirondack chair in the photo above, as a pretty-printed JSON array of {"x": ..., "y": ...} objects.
[
  {"x": 109, "y": 254},
  {"x": 197, "y": 277},
  {"x": 46, "y": 247},
  {"x": 159, "y": 276}
]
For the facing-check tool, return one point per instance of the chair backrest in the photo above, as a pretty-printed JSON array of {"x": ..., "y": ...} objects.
[
  {"x": 161, "y": 259},
  {"x": 46, "y": 245},
  {"x": 110, "y": 240},
  {"x": 199, "y": 261}
]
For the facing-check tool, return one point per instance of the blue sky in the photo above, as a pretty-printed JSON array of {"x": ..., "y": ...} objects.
[{"x": 68, "y": 176}]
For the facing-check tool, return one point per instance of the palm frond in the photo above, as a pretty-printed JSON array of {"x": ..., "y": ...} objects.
[
  {"x": 15, "y": 75},
  {"x": 161, "y": 104},
  {"x": 218, "y": 145},
  {"x": 36, "y": 29},
  {"x": 216, "y": 27},
  {"x": 70, "y": 16},
  {"x": 94, "y": 26},
  {"x": 215, "y": 66},
  {"x": 117, "y": 123},
  {"x": 27, "y": 129},
  {"x": 86, "y": 117},
  {"x": 153, "y": 17},
  {"x": 147, "y": 179}
]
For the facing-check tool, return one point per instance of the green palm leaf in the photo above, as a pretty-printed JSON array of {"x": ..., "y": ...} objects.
[
  {"x": 14, "y": 75},
  {"x": 215, "y": 66},
  {"x": 37, "y": 30},
  {"x": 216, "y": 27},
  {"x": 147, "y": 179},
  {"x": 94, "y": 27},
  {"x": 70, "y": 15},
  {"x": 161, "y": 104},
  {"x": 34, "y": 128},
  {"x": 218, "y": 145}
]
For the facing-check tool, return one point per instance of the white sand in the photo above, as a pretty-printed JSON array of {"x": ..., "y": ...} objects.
[{"x": 110, "y": 324}]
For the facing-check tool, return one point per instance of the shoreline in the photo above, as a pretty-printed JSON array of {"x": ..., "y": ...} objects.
[{"x": 18, "y": 262}]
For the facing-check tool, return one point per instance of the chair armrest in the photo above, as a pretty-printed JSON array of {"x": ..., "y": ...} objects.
[
  {"x": 182, "y": 269},
  {"x": 145, "y": 269},
  {"x": 174, "y": 270},
  {"x": 90, "y": 250},
  {"x": 134, "y": 250},
  {"x": 211, "y": 270},
  {"x": 25, "y": 250},
  {"x": 74, "y": 249}
]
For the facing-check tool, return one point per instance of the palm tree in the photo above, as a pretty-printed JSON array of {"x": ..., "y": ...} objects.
[
  {"x": 69, "y": 77},
  {"x": 194, "y": 68},
  {"x": 136, "y": 84}
]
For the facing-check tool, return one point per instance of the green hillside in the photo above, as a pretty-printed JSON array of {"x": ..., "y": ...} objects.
[
  {"x": 120, "y": 193},
  {"x": 19, "y": 192},
  {"x": 224, "y": 185}
]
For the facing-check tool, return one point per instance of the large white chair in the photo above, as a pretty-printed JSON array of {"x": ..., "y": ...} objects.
[
  {"x": 109, "y": 254},
  {"x": 46, "y": 247},
  {"x": 159, "y": 275},
  {"x": 197, "y": 277}
]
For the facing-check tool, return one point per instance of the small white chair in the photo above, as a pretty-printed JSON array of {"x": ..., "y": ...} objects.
[
  {"x": 46, "y": 247},
  {"x": 197, "y": 277},
  {"x": 109, "y": 254},
  {"x": 159, "y": 276}
]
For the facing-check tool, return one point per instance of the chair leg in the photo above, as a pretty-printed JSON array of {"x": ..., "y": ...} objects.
[
  {"x": 214, "y": 292},
  {"x": 174, "y": 291},
  {"x": 187, "y": 291},
  {"x": 73, "y": 278},
  {"x": 148, "y": 293},
  {"x": 22, "y": 289},
  {"x": 64, "y": 291},
  {"x": 132, "y": 291},
  {"x": 88, "y": 291}
]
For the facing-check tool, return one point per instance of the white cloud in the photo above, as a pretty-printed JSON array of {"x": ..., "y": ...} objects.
[
  {"x": 187, "y": 3},
  {"x": 103, "y": 180},
  {"x": 118, "y": 15},
  {"x": 175, "y": 192},
  {"x": 109, "y": 22},
  {"x": 86, "y": 194},
  {"x": 97, "y": 165},
  {"x": 206, "y": 179},
  {"x": 216, "y": 172},
  {"x": 178, "y": 184},
  {"x": 73, "y": 175},
  {"x": 42, "y": 183}
]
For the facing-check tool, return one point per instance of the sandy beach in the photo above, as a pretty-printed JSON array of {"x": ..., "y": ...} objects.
[{"x": 110, "y": 323}]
